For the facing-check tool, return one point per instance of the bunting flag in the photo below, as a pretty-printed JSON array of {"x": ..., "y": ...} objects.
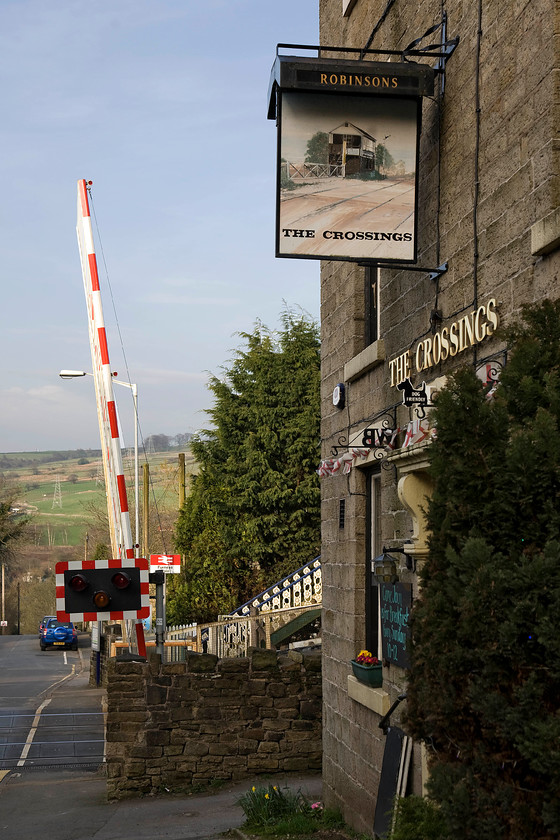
[
  {"x": 332, "y": 466},
  {"x": 416, "y": 432}
]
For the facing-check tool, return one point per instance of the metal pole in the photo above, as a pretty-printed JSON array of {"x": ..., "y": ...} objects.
[
  {"x": 146, "y": 509},
  {"x": 136, "y": 476},
  {"x": 181, "y": 479},
  {"x": 160, "y": 612}
]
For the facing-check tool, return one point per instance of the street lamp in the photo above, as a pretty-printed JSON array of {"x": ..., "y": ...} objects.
[{"x": 73, "y": 374}]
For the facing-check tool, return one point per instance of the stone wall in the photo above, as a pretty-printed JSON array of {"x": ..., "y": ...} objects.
[{"x": 190, "y": 724}]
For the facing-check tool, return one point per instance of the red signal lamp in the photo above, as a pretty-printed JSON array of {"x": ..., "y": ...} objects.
[
  {"x": 78, "y": 583},
  {"x": 121, "y": 580}
]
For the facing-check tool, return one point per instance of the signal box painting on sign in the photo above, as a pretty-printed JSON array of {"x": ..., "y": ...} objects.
[
  {"x": 102, "y": 590},
  {"x": 347, "y": 177}
]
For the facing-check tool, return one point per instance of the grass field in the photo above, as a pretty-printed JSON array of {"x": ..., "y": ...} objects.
[{"x": 64, "y": 496}]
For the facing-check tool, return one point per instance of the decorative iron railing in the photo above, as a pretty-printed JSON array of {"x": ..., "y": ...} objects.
[
  {"x": 180, "y": 632},
  {"x": 252, "y": 624},
  {"x": 298, "y": 589}
]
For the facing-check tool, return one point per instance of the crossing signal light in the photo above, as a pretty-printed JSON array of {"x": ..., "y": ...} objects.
[
  {"x": 102, "y": 591},
  {"x": 121, "y": 580},
  {"x": 78, "y": 583}
]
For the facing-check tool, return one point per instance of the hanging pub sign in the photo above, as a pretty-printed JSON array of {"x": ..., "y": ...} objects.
[{"x": 347, "y": 171}]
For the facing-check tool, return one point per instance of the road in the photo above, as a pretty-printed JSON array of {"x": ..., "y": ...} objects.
[
  {"x": 56, "y": 787},
  {"x": 47, "y": 717}
]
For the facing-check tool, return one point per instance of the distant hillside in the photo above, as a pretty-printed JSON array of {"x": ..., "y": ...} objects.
[
  {"x": 63, "y": 493},
  {"x": 22, "y": 460}
]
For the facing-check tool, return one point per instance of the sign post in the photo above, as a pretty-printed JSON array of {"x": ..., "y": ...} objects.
[{"x": 160, "y": 565}]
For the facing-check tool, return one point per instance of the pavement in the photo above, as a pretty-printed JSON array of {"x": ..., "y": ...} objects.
[{"x": 72, "y": 805}]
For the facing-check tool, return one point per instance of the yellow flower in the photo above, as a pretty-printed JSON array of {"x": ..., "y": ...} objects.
[
  {"x": 266, "y": 796},
  {"x": 253, "y": 788}
]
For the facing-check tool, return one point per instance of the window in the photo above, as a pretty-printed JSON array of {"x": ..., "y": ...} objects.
[
  {"x": 371, "y": 304},
  {"x": 374, "y": 548}
]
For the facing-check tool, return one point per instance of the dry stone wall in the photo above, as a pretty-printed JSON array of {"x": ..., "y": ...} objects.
[{"x": 175, "y": 726}]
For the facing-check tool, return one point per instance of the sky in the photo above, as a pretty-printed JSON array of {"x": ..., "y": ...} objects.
[{"x": 162, "y": 104}]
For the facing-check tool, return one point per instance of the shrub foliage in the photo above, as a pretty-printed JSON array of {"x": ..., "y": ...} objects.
[
  {"x": 254, "y": 510},
  {"x": 484, "y": 684}
]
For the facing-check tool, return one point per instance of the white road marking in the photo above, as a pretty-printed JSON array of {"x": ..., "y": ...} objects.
[
  {"x": 35, "y": 724},
  {"x": 31, "y": 734}
]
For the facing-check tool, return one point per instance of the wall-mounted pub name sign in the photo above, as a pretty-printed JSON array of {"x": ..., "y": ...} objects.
[
  {"x": 347, "y": 170},
  {"x": 469, "y": 330}
]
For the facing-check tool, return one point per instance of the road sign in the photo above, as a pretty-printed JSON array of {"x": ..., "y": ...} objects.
[{"x": 165, "y": 563}]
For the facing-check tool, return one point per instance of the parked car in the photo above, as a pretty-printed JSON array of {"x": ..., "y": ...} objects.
[
  {"x": 43, "y": 623},
  {"x": 59, "y": 634}
]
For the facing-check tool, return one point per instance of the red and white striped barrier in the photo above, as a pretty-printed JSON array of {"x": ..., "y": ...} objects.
[{"x": 117, "y": 502}]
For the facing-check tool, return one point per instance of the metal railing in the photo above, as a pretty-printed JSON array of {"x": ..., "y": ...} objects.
[
  {"x": 180, "y": 632},
  {"x": 253, "y": 623},
  {"x": 303, "y": 587},
  {"x": 232, "y": 636}
]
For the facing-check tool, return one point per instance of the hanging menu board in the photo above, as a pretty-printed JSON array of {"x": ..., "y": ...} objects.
[{"x": 396, "y": 601}]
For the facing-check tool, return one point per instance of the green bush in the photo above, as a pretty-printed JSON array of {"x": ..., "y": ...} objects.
[
  {"x": 417, "y": 818},
  {"x": 484, "y": 681}
]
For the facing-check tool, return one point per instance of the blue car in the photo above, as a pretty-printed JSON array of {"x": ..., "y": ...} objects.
[
  {"x": 59, "y": 634},
  {"x": 43, "y": 623}
]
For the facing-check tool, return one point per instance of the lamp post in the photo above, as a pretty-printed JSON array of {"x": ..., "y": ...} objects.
[{"x": 73, "y": 374}]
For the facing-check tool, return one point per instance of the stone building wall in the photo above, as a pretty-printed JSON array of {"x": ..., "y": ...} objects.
[
  {"x": 184, "y": 724},
  {"x": 488, "y": 206}
]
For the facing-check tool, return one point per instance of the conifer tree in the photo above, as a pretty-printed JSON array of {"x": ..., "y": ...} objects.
[
  {"x": 484, "y": 685},
  {"x": 12, "y": 524},
  {"x": 254, "y": 510}
]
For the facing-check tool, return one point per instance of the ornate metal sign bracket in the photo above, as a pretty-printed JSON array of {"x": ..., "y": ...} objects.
[{"x": 377, "y": 437}]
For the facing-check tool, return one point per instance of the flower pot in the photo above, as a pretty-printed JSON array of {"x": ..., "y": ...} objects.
[{"x": 371, "y": 675}]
